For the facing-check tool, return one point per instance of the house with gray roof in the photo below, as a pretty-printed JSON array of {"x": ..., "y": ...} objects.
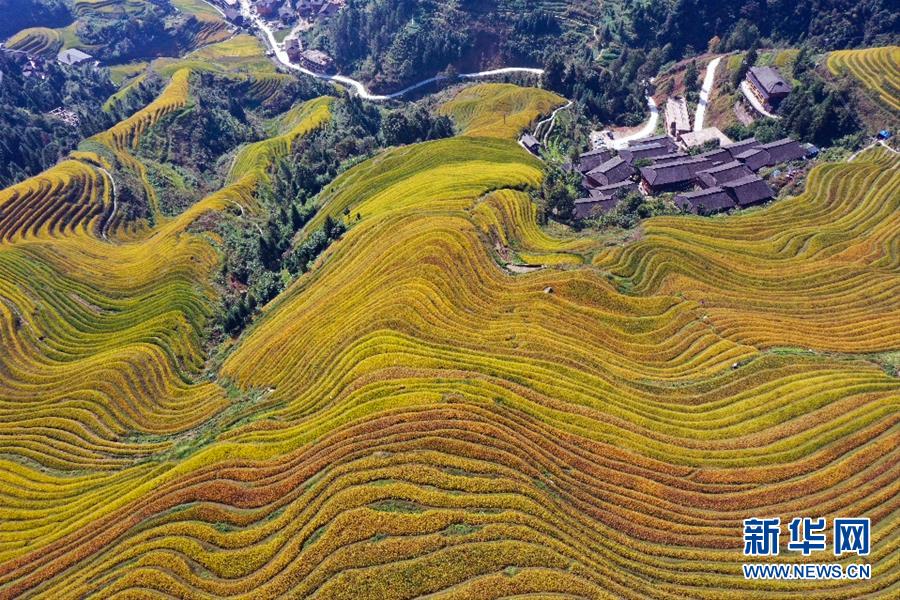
[
  {"x": 592, "y": 159},
  {"x": 612, "y": 171},
  {"x": 754, "y": 158},
  {"x": 783, "y": 150},
  {"x": 704, "y": 202},
  {"x": 723, "y": 173},
  {"x": 748, "y": 190},
  {"x": 671, "y": 176},
  {"x": 768, "y": 86},
  {"x": 634, "y": 153},
  {"x": 73, "y": 57},
  {"x": 742, "y": 146}
]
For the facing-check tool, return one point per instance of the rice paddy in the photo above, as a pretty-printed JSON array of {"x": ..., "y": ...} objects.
[
  {"x": 878, "y": 69},
  {"x": 410, "y": 419}
]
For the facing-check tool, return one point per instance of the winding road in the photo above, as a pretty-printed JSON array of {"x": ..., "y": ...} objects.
[
  {"x": 705, "y": 90},
  {"x": 358, "y": 86},
  {"x": 646, "y": 131}
]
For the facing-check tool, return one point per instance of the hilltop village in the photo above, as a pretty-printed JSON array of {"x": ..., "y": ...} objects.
[{"x": 702, "y": 169}]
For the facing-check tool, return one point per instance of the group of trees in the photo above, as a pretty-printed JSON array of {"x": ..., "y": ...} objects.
[
  {"x": 612, "y": 94},
  {"x": 19, "y": 14},
  {"x": 30, "y": 139},
  {"x": 392, "y": 42},
  {"x": 825, "y": 24}
]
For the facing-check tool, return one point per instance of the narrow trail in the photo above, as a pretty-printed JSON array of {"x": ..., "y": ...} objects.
[
  {"x": 872, "y": 145},
  {"x": 104, "y": 229},
  {"x": 552, "y": 120},
  {"x": 705, "y": 91},
  {"x": 358, "y": 86}
]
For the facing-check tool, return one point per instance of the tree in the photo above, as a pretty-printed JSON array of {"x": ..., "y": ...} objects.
[{"x": 692, "y": 78}]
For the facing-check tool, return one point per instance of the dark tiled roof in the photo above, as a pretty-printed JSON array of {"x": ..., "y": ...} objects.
[
  {"x": 721, "y": 173},
  {"x": 593, "y": 158},
  {"x": 748, "y": 190},
  {"x": 742, "y": 146},
  {"x": 630, "y": 155},
  {"x": 612, "y": 171},
  {"x": 768, "y": 80},
  {"x": 656, "y": 139},
  {"x": 584, "y": 207},
  {"x": 755, "y": 158},
  {"x": 668, "y": 158},
  {"x": 710, "y": 200},
  {"x": 784, "y": 150},
  {"x": 608, "y": 191},
  {"x": 717, "y": 156},
  {"x": 673, "y": 172}
]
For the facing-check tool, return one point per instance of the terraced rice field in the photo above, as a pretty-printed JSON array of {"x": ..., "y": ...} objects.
[
  {"x": 36, "y": 40},
  {"x": 878, "y": 69},
  {"x": 409, "y": 419}
]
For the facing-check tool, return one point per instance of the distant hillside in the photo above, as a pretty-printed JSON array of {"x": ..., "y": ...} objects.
[
  {"x": 390, "y": 43},
  {"x": 19, "y": 14}
]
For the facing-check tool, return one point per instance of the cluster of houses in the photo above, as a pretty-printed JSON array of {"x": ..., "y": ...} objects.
[
  {"x": 725, "y": 176},
  {"x": 286, "y": 11},
  {"x": 34, "y": 65},
  {"x": 314, "y": 60},
  {"x": 719, "y": 179}
]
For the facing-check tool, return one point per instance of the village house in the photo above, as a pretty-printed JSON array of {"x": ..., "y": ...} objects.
[
  {"x": 754, "y": 158},
  {"x": 656, "y": 139},
  {"x": 530, "y": 143},
  {"x": 73, "y": 57},
  {"x": 234, "y": 15},
  {"x": 614, "y": 190},
  {"x": 587, "y": 207},
  {"x": 670, "y": 176},
  {"x": 286, "y": 14},
  {"x": 316, "y": 61},
  {"x": 310, "y": 7},
  {"x": 293, "y": 48},
  {"x": 678, "y": 121},
  {"x": 736, "y": 148},
  {"x": 718, "y": 156},
  {"x": 267, "y": 8},
  {"x": 329, "y": 9},
  {"x": 704, "y": 202},
  {"x": 633, "y": 154},
  {"x": 612, "y": 171},
  {"x": 748, "y": 190},
  {"x": 783, "y": 150},
  {"x": 719, "y": 174},
  {"x": 768, "y": 86},
  {"x": 603, "y": 199},
  {"x": 593, "y": 158}
]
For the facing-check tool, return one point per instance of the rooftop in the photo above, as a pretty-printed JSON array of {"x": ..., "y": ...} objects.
[
  {"x": 770, "y": 80},
  {"x": 72, "y": 56}
]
